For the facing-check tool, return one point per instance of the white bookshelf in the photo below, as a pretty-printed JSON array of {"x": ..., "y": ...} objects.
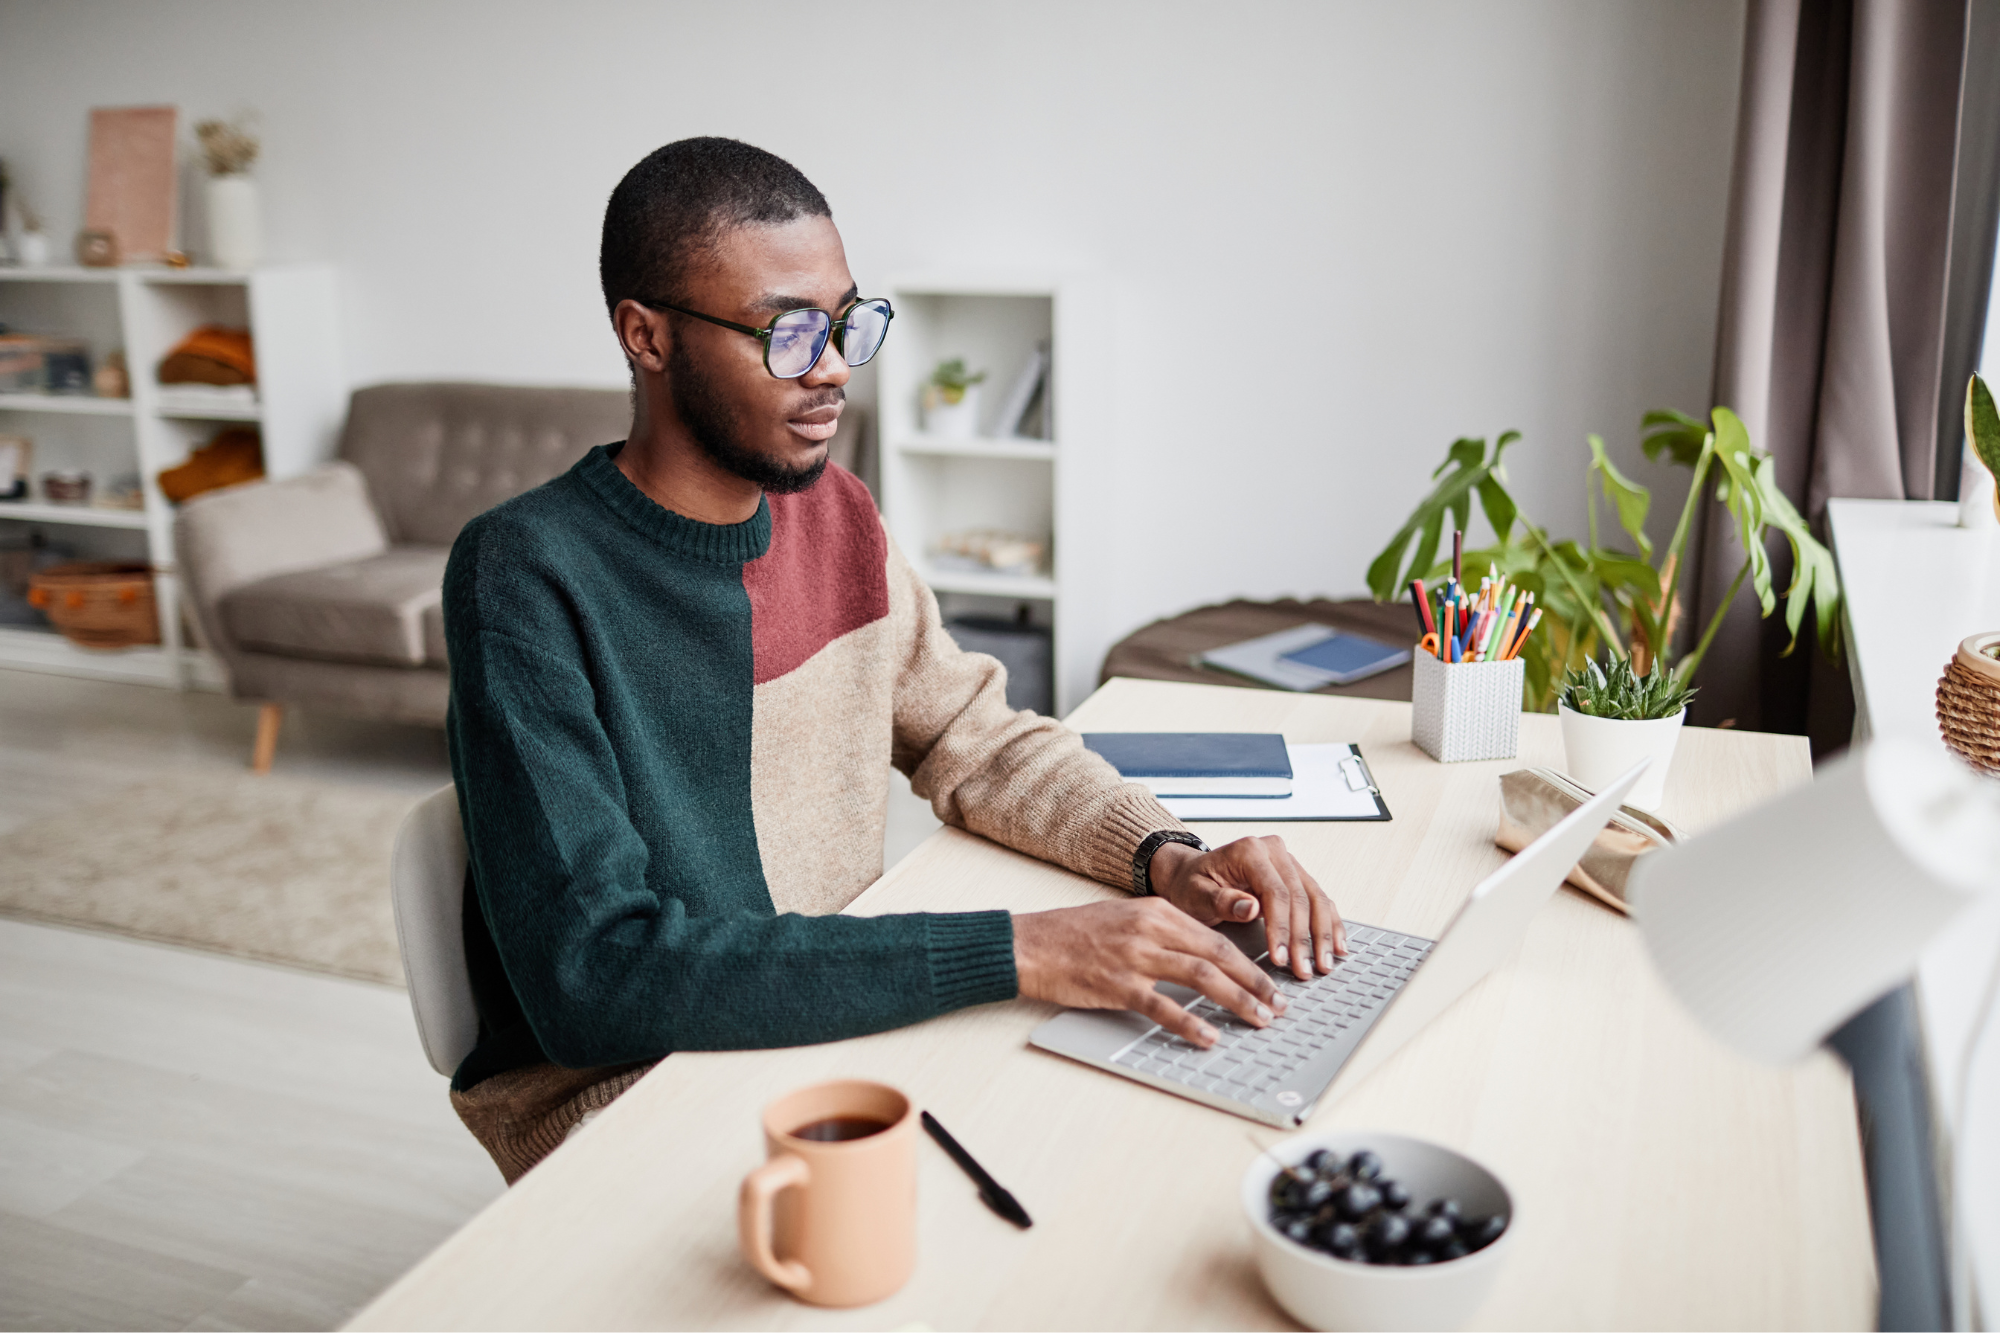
[
  {"x": 1047, "y": 489},
  {"x": 291, "y": 313}
]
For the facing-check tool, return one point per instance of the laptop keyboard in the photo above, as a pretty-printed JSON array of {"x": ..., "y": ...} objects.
[{"x": 1245, "y": 1061}]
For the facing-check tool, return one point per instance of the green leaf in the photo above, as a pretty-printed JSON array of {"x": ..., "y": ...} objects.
[
  {"x": 1815, "y": 576},
  {"x": 1630, "y": 498},
  {"x": 1982, "y": 424},
  {"x": 1738, "y": 490},
  {"x": 1464, "y": 467},
  {"x": 1676, "y": 434}
]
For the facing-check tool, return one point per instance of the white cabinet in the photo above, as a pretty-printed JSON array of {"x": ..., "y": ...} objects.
[
  {"x": 1049, "y": 490},
  {"x": 301, "y": 395}
]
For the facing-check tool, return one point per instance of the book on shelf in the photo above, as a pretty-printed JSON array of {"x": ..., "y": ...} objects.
[{"x": 1020, "y": 411}]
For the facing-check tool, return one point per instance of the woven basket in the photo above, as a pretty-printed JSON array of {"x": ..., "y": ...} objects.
[
  {"x": 98, "y": 603},
  {"x": 1968, "y": 703}
]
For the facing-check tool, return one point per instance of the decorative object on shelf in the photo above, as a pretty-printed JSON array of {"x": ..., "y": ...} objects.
[
  {"x": 1968, "y": 702},
  {"x": 132, "y": 179},
  {"x": 111, "y": 379},
  {"x": 1021, "y": 415},
  {"x": 1599, "y": 595},
  {"x": 122, "y": 492},
  {"x": 212, "y": 354},
  {"x": 98, "y": 603},
  {"x": 987, "y": 550},
  {"x": 24, "y": 228},
  {"x": 97, "y": 249},
  {"x": 1462, "y": 711},
  {"x": 951, "y": 400},
  {"x": 21, "y": 554},
  {"x": 17, "y": 454},
  {"x": 234, "y": 456},
  {"x": 1612, "y": 718},
  {"x": 235, "y": 220},
  {"x": 1978, "y": 495},
  {"x": 66, "y": 486},
  {"x": 39, "y": 363}
]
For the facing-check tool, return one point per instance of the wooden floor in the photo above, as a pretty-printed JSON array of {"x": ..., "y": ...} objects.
[{"x": 193, "y": 1141}]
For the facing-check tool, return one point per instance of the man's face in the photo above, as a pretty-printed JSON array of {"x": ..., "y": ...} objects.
[{"x": 765, "y": 430}]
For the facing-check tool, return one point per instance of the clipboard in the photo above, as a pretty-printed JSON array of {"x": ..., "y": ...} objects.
[{"x": 1330, "y": 782}]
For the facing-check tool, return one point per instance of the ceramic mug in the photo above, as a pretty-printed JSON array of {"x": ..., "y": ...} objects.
[{"x": 831, "y": 1216}]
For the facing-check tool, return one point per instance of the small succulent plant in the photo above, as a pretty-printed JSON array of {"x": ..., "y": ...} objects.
[
  {"x": 951, "y": 379},
  {"x": 1622, "y": 695}
]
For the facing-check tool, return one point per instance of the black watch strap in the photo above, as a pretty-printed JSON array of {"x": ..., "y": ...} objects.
[{"x": 1142, "y": 860}]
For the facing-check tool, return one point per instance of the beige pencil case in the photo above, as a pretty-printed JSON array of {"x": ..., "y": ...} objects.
[{"x": 1534, "y": 800}]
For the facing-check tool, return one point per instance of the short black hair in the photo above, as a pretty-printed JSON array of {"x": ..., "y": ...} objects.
[{"x": 679, "y": 200}]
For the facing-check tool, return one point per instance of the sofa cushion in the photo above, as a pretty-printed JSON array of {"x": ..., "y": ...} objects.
[
  {"x": 434, "y": 635},
  {"x": 436, "y": 455},
  {"x": 371, "y": 610}
]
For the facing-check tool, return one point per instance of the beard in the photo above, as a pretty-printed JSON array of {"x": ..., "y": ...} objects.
[{"x": 716, "y": 429}]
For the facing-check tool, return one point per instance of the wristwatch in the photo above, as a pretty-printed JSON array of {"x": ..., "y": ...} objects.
[{"x": 1142, "y": 860}]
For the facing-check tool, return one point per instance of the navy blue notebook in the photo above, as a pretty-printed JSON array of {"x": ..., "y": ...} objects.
[
  {"x": 1199, "y": 763},
  {"x": 1349, "y": 657}
]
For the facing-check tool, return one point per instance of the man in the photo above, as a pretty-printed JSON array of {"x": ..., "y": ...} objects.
[{"x": 680, "y": 673}]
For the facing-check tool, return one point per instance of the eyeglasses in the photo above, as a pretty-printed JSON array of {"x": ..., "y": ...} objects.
[{"x": 794, "y": 341}]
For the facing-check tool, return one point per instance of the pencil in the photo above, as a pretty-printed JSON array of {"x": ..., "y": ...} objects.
[
  {"x": 1527, "y": 629},
  {"x": 1423, "y": 601},
  {"x": 1458, "y": 555}
]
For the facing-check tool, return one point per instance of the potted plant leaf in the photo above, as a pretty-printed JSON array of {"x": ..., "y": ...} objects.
[
  {"x": 951, "y": 400},
  {"x": 1624, "y": 603}
]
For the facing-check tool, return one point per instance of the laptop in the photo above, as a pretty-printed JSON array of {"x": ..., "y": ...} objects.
[{"x": 1349, "y": 1020}]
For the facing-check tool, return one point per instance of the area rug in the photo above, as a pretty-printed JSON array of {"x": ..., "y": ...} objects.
[{"x": 277, "y": 869}]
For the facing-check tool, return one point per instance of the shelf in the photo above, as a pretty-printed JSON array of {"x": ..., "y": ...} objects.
[
  {"x": 144, "y": 272},
  {"x": 984, "y": 446},
  {"x": 197, "y": 410},
  {"x": 45, "y": 650},
  {"x": 82, "y": 404},
  {"x": 58, "y": 273},
  {"x": 34, "y": 511},
  {"x": 972, "y": 581}
]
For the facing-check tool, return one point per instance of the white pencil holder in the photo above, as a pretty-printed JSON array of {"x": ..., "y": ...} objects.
[{"x": 1467, "y": 710}]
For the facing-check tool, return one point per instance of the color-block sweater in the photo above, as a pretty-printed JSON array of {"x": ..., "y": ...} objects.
[{"x": 672, "y": 744}]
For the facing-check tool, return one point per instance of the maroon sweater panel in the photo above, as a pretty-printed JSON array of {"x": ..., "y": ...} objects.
[{"x": 826, "y": 574}]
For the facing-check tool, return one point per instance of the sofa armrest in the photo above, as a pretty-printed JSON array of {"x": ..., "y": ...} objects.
[{"x": 241, "y": 534}]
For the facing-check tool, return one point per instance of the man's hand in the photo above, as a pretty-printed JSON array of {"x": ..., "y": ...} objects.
[
  {"x": 1108, "y": 955},
  {"x": 1237, "y": 881}
]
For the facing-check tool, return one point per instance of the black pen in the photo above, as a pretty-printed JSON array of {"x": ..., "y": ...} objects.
[{"x": 998, "y": 1199}]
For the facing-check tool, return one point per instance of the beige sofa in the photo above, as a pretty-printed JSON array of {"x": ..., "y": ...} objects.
[{"x": 324, "y": 591}]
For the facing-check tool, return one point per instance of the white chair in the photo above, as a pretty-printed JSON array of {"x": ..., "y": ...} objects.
[{"x": 427, "y": 887}]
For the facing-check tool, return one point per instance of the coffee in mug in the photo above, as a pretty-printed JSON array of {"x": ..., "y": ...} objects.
[{"x": 831, "y": 1216}]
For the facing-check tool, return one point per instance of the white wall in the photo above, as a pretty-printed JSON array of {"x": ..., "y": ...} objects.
[{"x": 1339, "y": 234}]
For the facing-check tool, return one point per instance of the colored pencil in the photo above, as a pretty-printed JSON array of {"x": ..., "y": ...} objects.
[
  {"x": 1527, "y": 629},
  {"x": 1457, "y": 555},
  {"x": 1423, "y": 602}
]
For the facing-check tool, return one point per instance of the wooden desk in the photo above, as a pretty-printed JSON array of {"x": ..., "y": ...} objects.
[{"x": 1661, "y": 1181}]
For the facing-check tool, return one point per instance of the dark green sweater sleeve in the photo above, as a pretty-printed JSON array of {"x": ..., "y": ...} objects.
[{"x": 608, "y": 970}]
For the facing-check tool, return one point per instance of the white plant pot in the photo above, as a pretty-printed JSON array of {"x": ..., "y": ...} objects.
[
  {"x": 952, "y": 421},
  {"x": 32, "y": 249},
  {"x": 235, "y": 222},
  {"x": 1597, "y": 750}
]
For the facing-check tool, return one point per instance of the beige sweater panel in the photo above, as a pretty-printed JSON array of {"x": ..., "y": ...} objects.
[{"x": 1023, "y": 780}]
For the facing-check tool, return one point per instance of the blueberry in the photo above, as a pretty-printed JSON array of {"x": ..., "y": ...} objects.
[
  {"x": 1316, "y": 1195},
  {"x": 1435, "y": 1231},
  {"x": 1390, "y": 1231},
  {"x": 1480, "y": 1233},
  {"x": 1395, "y": 1194},
  {"x": 1455, "y": 1250},
  {"x": 1364, "y": 1165},
  {"x": 1298, "y": 1228},
  {"x": 1444, "y": 1208},
  {"x": 1416, "y": 1257},
  {"x": 1357, "y": 1201},
  {"x": 1343, "y": 1240},
  {"x": 1316, "y": 1159}
]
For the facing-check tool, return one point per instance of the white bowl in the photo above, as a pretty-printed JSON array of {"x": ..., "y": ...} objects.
[{"x": 1323, "y": 1292}]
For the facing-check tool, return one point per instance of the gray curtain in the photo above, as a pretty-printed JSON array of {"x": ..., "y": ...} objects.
[{"x": 1837, "y": 293}]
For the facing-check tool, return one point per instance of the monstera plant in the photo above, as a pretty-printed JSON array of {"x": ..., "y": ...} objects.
[{"x": 1622, "y": 601}]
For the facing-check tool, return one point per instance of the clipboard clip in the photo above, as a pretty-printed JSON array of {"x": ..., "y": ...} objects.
[{"x": 1355, "y": 769}]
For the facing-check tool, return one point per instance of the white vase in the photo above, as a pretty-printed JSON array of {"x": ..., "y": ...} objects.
[
  {"x": 235, "y": 223},
  {"x": 1596, "y": 750},
  {"x": 32, "y": 249},
  {"x": 952, "y": 421}
]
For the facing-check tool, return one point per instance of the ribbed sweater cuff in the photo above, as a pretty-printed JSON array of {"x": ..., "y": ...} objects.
[
  {"x": 1131, "y": 819},
  {"x": 972, "y": 959}
]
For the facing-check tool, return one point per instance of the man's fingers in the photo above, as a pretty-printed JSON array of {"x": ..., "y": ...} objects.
[
  {"x": 1288, "y": 936},
  {"x": 1329, "y": 933},
  {"x": 1174, "y": 1018},
  {"x": 1202, "y": 975}
]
